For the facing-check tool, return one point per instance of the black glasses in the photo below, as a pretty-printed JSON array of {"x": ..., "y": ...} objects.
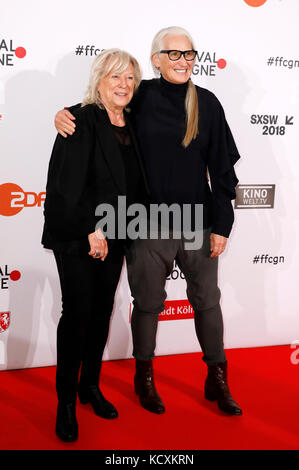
[{"x": 176, "y": 55}]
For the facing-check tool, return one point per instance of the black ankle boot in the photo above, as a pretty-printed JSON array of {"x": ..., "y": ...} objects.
[
  {"x": 145, "y": 387},
  {"x": 93, "y": 395},
  {"x": 216, "y": 388},
  {"x": 66, "y": 422}
]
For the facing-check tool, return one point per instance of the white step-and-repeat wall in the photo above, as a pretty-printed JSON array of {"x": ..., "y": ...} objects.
[{"x": 248, "y": 56}]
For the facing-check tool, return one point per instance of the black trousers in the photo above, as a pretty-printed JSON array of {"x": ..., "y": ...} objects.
[
  {"x": 88, "y": 287},
  {"x": 151, "y": 261}
]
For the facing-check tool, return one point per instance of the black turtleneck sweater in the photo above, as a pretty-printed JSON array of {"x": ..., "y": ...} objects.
[{"x": 177, "y": 174}]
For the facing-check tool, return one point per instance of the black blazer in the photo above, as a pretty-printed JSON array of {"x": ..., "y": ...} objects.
[{"x": 90, "y": 156}]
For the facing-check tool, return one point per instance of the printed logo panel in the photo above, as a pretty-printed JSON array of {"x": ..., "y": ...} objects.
[
  {"x": 8, "y": 53},
  {"x": 174, "y": 310},
  {"x": 255, "y": 196},
  {"x": 13, "y": 199},
  {"x": 4, "y": 321}
]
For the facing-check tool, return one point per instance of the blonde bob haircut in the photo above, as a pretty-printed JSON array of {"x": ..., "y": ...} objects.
[
  {"x": 191, "y": 100},
  {"x": 109, "y": 60}
]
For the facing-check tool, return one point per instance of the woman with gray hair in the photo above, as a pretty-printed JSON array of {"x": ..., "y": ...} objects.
[
  {"x": 183, "y": 133},
  {"x": 97, "y": 164}
]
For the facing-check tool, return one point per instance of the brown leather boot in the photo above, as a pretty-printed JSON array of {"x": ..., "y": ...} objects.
[
  {"x": 145, "y": 387},
  {"x": 216, "y": 388}
]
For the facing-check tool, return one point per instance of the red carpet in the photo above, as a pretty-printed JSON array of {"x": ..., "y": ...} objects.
[{"x": 262, "y": 380}]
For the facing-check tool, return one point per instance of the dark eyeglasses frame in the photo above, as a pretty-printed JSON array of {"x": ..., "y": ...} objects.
[{"x": 164, "y": 51}]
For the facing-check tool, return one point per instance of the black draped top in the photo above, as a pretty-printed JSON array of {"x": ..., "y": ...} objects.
[
  {"x": 177, "y": 174},
  {"x": 134, "y": 183}
]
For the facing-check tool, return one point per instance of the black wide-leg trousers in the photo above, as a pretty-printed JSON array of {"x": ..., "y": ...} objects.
[
  {"x": 88, "y": 287},
  {"x": 151, "y": 262}
]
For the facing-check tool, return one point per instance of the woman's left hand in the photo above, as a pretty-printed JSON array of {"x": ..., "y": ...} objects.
[
  {"x": 217, "y": 244},
  {"x": 98, "y": 245}
]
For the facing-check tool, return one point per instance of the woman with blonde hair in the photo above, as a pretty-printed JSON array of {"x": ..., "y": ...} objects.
[
  {"x": 183, "y": 133},
  {"x": 94, "y": 166}
]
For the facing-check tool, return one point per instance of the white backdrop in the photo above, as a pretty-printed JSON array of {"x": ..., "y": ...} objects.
[{"x": 45, "y": 56}]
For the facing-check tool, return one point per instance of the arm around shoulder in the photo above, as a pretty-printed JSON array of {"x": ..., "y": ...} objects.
[{"x": 64, "y": 120}]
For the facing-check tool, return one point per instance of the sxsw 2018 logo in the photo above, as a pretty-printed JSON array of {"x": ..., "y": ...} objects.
[
  {"x": 13, "y": 199},
  {"x": 8, "y": 53}
]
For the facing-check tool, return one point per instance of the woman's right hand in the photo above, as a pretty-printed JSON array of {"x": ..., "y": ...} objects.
[
  {"x": 64, "y": 122},
  {"x": 98, "y": 245}
]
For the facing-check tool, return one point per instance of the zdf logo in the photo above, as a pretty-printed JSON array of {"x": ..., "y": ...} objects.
[{"x": 13, "y": 199}]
